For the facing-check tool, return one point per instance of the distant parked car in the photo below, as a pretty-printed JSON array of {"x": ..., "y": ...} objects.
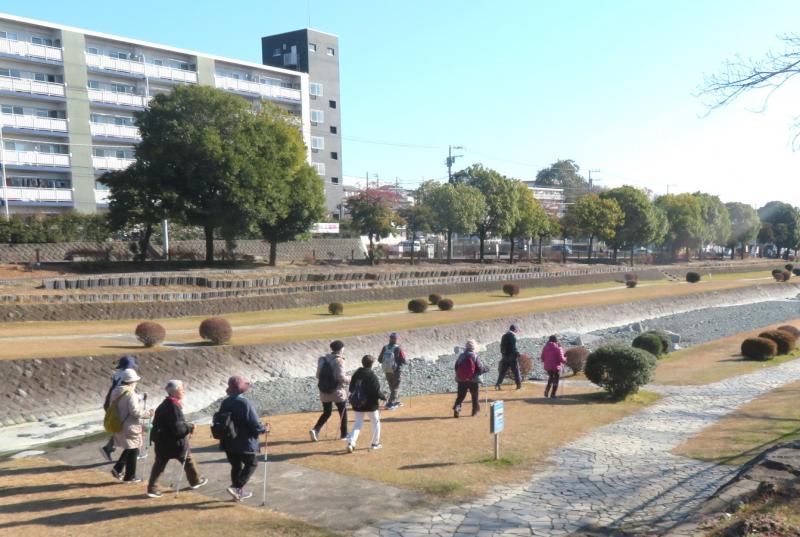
[{"x": 561, "y": 248}]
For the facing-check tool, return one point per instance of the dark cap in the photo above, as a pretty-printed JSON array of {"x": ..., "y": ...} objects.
[
  {"x": 337, "y": 345},
  {"x": 513, "y": 328}
]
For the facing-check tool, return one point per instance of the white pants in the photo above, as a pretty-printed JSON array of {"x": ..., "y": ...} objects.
[{"x": 375, "y": 419}]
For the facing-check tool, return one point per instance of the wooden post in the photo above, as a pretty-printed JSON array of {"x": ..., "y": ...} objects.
[{"x": 497, "y": 446}]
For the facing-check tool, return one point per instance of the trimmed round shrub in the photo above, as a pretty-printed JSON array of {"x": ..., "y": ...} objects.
[
  {"x": 445, "y": 304},
  {"x": 216, "y": 330},
  {"x": 649, "y": 342},
  {"x": 796, "y": 272},
  {"x": 418, "y": 305},
  {"x": 778, "y": 275},
  {"x": 434, "y": 298},
  {"x": 776, "y": 271},
  {"x": 759, "y": 348},
  {"x": 630, "y": 284},
  {"x": 525, "y": 367},
  {"x": 692, "y": 277},
  {"x": 784, "y": 340},
  {"x": 631, "y": 277},
  {"x": 789, "y": 267},
  {"x": 666, "y": 342},
  {"x": 335, "y": 308},
  {"x": 511, "y": 289},
  {"x": 790, "y": 329},
  {"x": 150, "y": 333},
  {"x": 619, "y": 369},
  {"x": 786, "y": 275},
  {"x": 576, "y": 358}
]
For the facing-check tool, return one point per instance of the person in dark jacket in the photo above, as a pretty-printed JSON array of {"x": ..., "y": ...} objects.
[
  {"x": 468, "y": 370},
  {"x": 365, "y": 392},
  {"x": 242, "y": 450},
  {"x": 393, "y": 359},
  {"x": 170, "y": 435},
  {"x": 510, "y": 357},
  {"x": 126, "y": 362}
]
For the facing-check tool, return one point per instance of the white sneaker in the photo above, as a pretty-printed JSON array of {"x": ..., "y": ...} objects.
[
  {"x": 203, "y": 481},
  {"x": 351, "y": 448},
  {"x": 313, "y": 434},
  {"x": 376, "y": 446}
]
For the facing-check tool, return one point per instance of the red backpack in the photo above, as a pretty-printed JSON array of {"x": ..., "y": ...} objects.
[{"x": 466, "y": 367}]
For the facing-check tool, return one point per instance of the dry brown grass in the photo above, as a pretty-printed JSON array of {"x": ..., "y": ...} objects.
[
  {"x": 740, "y": 436},
  {"x": 713, "y": 361},
  {"x": 426, "y": 449},
  {"x": 40, "y": 498}
]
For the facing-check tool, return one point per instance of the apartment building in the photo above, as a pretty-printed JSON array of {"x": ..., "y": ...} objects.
[
  {"x": 68, "y": 97},
  {"x": 552, "y": 199},
  {"x": 317, "y": 54}
]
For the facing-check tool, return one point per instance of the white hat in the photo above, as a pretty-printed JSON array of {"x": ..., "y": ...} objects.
[{"x": 128, "y": 376}]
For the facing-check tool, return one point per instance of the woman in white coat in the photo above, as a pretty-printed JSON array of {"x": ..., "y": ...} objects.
[{"x": 130, "y": 410}]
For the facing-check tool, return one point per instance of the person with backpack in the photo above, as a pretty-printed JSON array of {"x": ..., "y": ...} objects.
[
  {"x": 170, "y": 435},
  {"x": 331, "y": 382},
  {"x": 553, "y": 359},
  {"x": 468, "y": 370},
  {"x": 365, "y": 392},
  {"x": 126, "y": 362},
  {"x": 509, "y": 357},
  {"x": 393, "y": 359},
  {"x": 237, "y": 427},
  {"x": 127, "y": 409}
]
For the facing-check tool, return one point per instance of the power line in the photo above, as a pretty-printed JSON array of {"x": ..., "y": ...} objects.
[{"x": 395, "y": 144}]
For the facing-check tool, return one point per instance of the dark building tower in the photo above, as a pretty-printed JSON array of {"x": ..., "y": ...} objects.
[{"x": 317, "y": 54}]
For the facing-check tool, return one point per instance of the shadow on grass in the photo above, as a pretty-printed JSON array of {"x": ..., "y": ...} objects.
[
  {"x": 570, "y": 399},
  {"x": 753, "y": 451},
  {"x": 52, "y": 487},
  {"x": 426, "y": 465},
  {"x": 51, "y": 504}
]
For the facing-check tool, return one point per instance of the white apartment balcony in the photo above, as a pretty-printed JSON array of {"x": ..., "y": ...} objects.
[
  {"x": 34, "y": 195},
  {"x": 32, "y": 87},
  {"x": 111, "y": 163},
  {"x": 118, "y": 65},
  {"x": 268, "y": 91},
  {"x": 30, "y": 50},
  {"x": 114, "y": 131},
  {"x": 20, "y": 121},
  {"x": 101, "y": 197},
  {"x": 35, "y": 158},
  {"x": 171, "y": 73},
  {"x": 113, "y": 97}
]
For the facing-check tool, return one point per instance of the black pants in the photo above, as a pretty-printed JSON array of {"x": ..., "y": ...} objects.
[
  {"x": 505, "y": 365},
  {"x": 327, "y": 410},
  {"x": 160, "y": 464},
  {"x": 242, "y": 467},
  {"x": 463, "y": 388},
  {"x": 127, "y": 461},
  {"x": 552, "y": 382}
]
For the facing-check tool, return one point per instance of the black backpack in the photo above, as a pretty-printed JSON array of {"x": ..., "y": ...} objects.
[
  {"x": 222, "y": 426},
  {"x": 357, "y": 397},
  {"x": 327, "y": 381}
]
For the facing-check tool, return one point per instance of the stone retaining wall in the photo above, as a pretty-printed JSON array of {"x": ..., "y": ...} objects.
[{"x": 35, "y": 389}]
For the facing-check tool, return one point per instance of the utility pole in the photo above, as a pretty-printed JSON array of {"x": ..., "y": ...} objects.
[
  {"x": 451, "y": 158},
  {"x": 590, "y": 178},
  {"x": 669, "y": 185}
]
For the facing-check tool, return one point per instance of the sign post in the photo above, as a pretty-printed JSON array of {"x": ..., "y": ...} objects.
[{"x": 496, "y": 425}]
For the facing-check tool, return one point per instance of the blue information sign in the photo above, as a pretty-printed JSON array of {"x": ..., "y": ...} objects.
[{"x": 498, "y": 417}]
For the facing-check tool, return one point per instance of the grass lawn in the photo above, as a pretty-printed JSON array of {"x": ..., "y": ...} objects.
[
  {"x": 363, "y": 318},
  {"x": 740, "y": 436},
  {"x": 428, "y": 450},
  {"x": 713, "y": 361},
  {"x": 41, "y": 499}
]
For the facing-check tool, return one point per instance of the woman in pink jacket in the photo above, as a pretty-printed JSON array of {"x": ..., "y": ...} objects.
[{"x": 552, "y": 358}]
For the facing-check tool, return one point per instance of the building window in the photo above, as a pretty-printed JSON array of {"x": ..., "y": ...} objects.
[
  {"x": 317, "y": 116},
  {"x": 312, "y": 47},
  {"x": 317, "y": 143},
  {"x": 11, "y": 36},
  {"x": 335, "y": 180},
  {"x": 334, "y": 155},
  {"x": 315, "y": 89},
  {"x": 277, "y": 52},
  {"x": 333, "y": 129},
  {"x": 92, "y": 50},
  {"x": 10, "y": 109},
  {"x": 320, "y": 167},
  {"x": 331, "y": 52},
  {"x": 332, "y": 104}
]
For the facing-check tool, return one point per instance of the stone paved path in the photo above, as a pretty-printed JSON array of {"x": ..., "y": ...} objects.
[{"x": 620, "y": 475}]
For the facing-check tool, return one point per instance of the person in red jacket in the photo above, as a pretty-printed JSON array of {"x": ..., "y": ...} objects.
[{"x": 553, "y": 359}]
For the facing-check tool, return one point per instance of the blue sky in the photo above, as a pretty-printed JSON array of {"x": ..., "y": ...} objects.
[{"x": 519, "y": 84}]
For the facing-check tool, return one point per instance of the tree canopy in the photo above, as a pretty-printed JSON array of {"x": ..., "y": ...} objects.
[
  {"x": 372, "y": 215},
  {"x": 456, "y": 208},
  {"x": 684, "y": 220},
  {"x": 715, "y": 222},
  {"x": 785, "y": 222},
  {"x": 745, "y": 225},
  {"x": 640, "y": 225},
  {"x": 594, "y": 217},
  {"x": 564, "y": 174},
  {"x": 532, "y": 220}
]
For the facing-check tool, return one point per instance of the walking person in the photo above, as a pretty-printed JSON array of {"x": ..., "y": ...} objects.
[
  {"x": 393, "y": 359},
  {"x": 241, "y": 449},
  {"x": 126, "y": 362},
  {"x": 365, "y": 392},
  {"x": 170, "y": 435},
  {"x": 130, "y": 409},
  {"x": 509, "y": 357},
  {"x": 332, "y": 383},
  {"x": 468, "y": 369},
  {"x": 553, "y": 359}
]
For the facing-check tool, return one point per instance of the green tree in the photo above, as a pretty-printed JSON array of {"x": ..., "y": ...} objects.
[
  {"x": 532, "y": 220},
  {"x": 745, "y": 225},
  {"x": 684, "y": 220},
  {"x": 640, "y": 224},
  {"x": 594, "y": 217},
  {"x": 456, "y": 208},
  {"x": 553, "y": 228},
  {"x": 419, "y": 219},
  {"x": 716, "y": 223},
  {"x": 785, "y": 221},
  {"x": 303, "y": 208},
  {"x": 372, "y": 215},
  {"x": 500, "y": 194},
  {"x": 564, "y": 174}
]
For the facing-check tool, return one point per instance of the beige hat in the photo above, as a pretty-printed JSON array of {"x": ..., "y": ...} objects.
[{"x": 128, "y": 376}]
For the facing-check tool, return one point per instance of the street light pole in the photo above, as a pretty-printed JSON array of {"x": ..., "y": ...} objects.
[
  {"x": 3, "y": 167},
  {"x": 451, "y": 158}
]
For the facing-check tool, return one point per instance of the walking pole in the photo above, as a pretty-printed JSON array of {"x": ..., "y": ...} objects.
[
  {"x": 264, "y": 493},
  {"x": 183, "y": 469},
  {"x": 149, "y": 426}
]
